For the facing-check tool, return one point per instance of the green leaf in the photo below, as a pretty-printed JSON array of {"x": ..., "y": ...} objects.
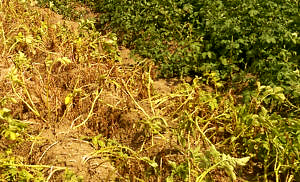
[
  {"x": 169, "y": 179},
  {"x": 224, "y": 61},
  {"x": 152, "y": 163},
  {"x": 281, "y": 96},
  {"x": 253, "y": 12},
  {"x": 242, "y": 161},
  {"x": 278, "y": 89}
]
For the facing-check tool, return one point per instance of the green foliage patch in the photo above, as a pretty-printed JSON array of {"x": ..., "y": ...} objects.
[{"x": 197, "y": 37}]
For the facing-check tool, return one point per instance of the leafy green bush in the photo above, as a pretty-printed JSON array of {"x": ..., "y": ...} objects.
[
  {"x": 196, "y": 37},
  {"x": 273, "y": 139}
]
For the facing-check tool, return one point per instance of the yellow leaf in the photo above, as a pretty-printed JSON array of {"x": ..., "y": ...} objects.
[
  {"x": 69, "y": 99},
  {"x": 12, "y": 136}
]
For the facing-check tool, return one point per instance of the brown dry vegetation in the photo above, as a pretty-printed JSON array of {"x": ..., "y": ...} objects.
[{"x": 90, "y": 108}]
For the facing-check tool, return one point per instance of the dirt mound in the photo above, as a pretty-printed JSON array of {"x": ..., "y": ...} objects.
[{"x": 76, "y": 155}]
